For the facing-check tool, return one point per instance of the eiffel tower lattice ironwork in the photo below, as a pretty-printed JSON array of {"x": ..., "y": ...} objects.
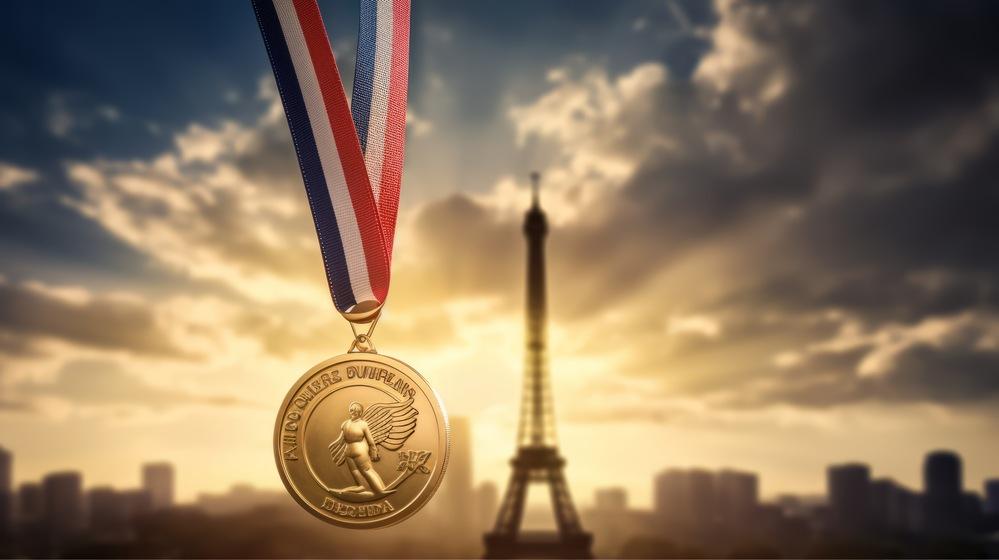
[{"x": 537, "y": 459}]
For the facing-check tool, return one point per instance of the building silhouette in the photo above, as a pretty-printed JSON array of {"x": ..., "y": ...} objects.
[
  {"x": 610, "y": 500},
  {"x": 671, "y": 496},
  {"x": 6, "y": 470},
  {"x": 62, "y": 508},
  {"x": 688, "y": 501},
  {"x": 240, "y": 497},
  {"x": 943, "y": 499},
  {"x": 697, "y": 513},
  {"x": 486, "y": 500},
  {"x": 456, "y": 495},
  {"x": 108, "y": 511},
  {"x": 849, "y": 487},
  {"x": 701, "y": 497},
  {"x": 30, "y": 503},
  {"x": 537, "y": 459},
  {"x": 6, "y": 492},
  {"x": 158, "y": 481},
  {"x": 737, "y": 497},
  {"x": 992, "y": 496},
  {"x": 613, "y": 522},
  {"x": 894, "y": 507},
  {"x": 111, "y": 512}
]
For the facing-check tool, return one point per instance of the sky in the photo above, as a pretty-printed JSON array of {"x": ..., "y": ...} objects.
[{"x": 773, "y": 241}]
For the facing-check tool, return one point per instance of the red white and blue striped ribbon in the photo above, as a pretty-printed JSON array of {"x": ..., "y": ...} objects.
[{"x": 350, "y": 157}]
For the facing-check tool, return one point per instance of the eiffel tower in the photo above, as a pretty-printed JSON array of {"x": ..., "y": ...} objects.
[{"x": 537, "y": 459}]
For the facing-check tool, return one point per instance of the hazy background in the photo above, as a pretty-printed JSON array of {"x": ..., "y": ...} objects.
[{"x": 774, "y": 235}]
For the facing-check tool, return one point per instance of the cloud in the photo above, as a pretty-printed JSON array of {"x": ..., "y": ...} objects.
[
  {"x": 60, "y": 121},
  {"x": 103, "y": 384},
  {"x": 15, "y": 405},
  {"x": 805, "y": 179},
  {"x": 694, "y": 324},
  {"x": 595, "y": 125},
  {"x": 69, "y": 112},
  {"x": 224, "y": 205},
  {"x": 418, "y": 125},
  {"x": 711, "y": 231},
  {"x": 941, "y": 359},
  {"x": 30, "y": 312},
  {"x": 12, "y": 176}
]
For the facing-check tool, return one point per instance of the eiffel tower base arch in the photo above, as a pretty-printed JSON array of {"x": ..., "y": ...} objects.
[{"x": 539, "y": 465}]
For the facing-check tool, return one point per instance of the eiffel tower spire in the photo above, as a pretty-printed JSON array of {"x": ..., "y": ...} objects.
[
  {"x": 537, "y": 414},
  {"x": 537, "y": 459}
]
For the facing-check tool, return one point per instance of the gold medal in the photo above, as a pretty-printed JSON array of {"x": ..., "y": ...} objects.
[{"x": 361, "y": 441}]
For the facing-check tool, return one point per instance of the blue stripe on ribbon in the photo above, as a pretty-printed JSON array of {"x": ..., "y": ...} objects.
[
  {"x": 308, "y": 155},
  {"x": 364, "y": 70}
]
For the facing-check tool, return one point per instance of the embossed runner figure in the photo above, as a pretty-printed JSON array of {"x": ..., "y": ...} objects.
[{"x": 386, "y": 424}]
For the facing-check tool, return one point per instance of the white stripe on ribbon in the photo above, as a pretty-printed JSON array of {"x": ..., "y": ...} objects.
[
  {"x": 329, "y": 157},
  {"x": 374, "y": 154}
]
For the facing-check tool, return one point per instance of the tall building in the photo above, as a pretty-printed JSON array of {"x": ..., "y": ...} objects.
[
  {"x": 972, "y": 511},
  {"x": 701, "y": 497},
  {"x": 849, "y": 488},
  {"x": 891, "y": 506},
  {"x": 6, "y": 491},
  {"x": 138, "y": 501},
  {"x": 30, "y": 503},
  {"x": 737, "y": 497},
  {"x": 943, "y": 492},
  {"x": 992, "y": 496},
  {"x": 62, "y": 510},
  {"x": 455, "y": 497},
  {"x": 537, "y": 458},
  {"x": 486, "y": 500},
  {"x": 108, "y": 511},
  {"x": 611, "y": 500},
  {"x": 611, "y": 521},
  {"x": 239, "y": 499},
  {"x": 6, "y": 470},
  {"x": 670, "y": 499},
  {"x": 157, "y": 480}
]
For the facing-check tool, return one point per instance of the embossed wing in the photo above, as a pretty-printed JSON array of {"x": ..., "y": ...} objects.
[{"x": 391, "y": 424}]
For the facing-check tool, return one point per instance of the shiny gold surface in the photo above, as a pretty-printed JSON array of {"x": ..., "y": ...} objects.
[{"x": 361, "y": 441}]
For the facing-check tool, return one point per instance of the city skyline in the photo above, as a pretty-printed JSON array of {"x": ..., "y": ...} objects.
[
  {"x": 772, "y": 237},
  {"x": 912, "y": 478},
  {"x": 463, "y": 464},
  {"x": 709, "y": 510}
]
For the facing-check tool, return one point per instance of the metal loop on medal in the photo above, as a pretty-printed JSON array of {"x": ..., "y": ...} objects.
[
  {"x": 362, "y": 340},
  {"x": 362, "y": 343}
]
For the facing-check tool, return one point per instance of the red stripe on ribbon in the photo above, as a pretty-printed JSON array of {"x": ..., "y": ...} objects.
[{"x": 373, "y": 233}]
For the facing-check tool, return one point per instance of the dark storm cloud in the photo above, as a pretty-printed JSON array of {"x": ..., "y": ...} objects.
[
  {"x": 876, "y": 166},
  {"x": 863, "y": 79},
  {"x": 36, "y": 227},
  {"x": 948, "y": 223},
  {"x": 28, "y": 314},
  {"x": 922, "y": 373}
]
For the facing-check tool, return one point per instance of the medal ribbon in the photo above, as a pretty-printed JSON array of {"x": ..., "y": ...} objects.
[{"x": 350, "y": 157}]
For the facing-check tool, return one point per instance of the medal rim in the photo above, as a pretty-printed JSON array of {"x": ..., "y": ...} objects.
[{"x": 415, "y": 505}]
